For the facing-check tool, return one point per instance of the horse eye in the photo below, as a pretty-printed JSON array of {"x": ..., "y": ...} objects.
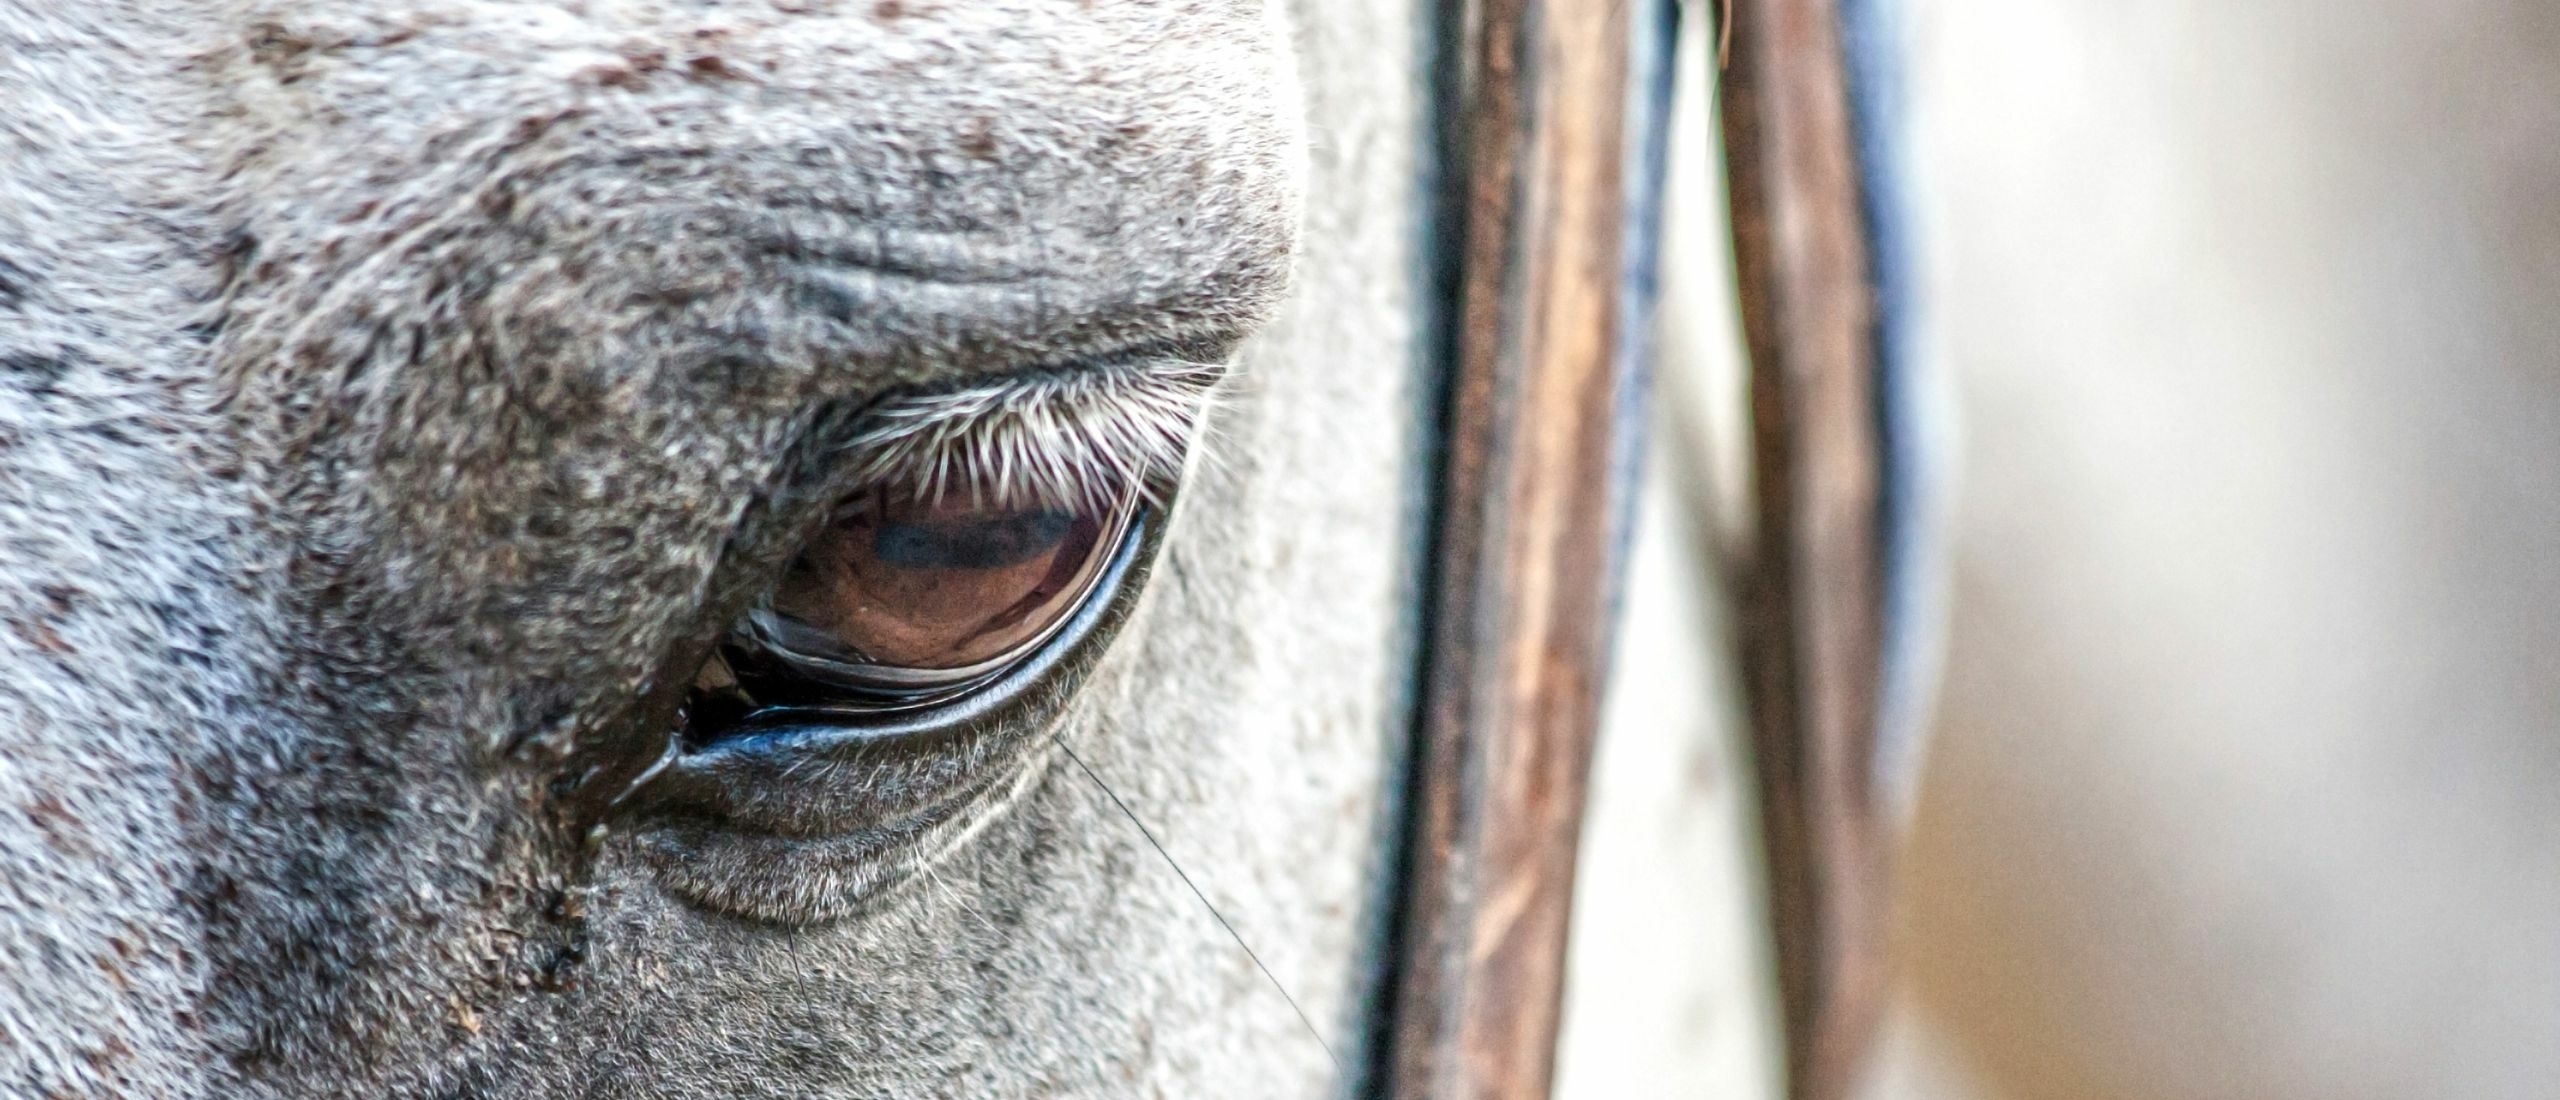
[{"x": 902, "y": 602}]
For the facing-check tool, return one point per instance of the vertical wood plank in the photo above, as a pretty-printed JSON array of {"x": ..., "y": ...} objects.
[
  {"x": 1526, "y": 547},
  {"x": 1811, "y": 621}
]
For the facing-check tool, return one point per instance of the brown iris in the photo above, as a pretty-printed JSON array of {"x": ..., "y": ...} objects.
[
  {"x": 945, "y": 586},
  {"x": 901, "y": 601}
]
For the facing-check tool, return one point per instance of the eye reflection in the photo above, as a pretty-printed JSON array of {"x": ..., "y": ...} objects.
[
  {"x": 945, "y": 586},
  {"x": 901, "y": 601}
]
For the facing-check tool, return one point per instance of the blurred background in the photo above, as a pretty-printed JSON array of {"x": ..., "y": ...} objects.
[{"x": 2246, "y": 773}]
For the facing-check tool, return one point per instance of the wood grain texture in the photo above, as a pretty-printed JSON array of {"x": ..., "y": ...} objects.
[
  {"x": 1526, "y": 548},
  {"x": 1811, "y": 614}
]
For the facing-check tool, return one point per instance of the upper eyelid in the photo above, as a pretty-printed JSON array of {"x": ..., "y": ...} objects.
[{"x": 1066, "y": 436}]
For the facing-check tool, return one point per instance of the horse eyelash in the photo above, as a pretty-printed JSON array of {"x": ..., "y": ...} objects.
[{"x": 1082, "y": 439}]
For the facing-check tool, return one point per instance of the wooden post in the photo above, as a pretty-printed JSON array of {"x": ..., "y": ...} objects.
[
  {"x": 1527, "y": 543},
  {"x": 1811, "y": 621}
]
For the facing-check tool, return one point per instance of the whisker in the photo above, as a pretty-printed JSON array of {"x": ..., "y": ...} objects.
[{"x": 1205, "y": 903}]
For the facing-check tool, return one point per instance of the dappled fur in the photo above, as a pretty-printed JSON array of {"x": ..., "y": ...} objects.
[{"x": 388, "y": 389}]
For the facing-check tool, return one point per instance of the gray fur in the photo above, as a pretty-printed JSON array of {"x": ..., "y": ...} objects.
[{"x": 386, "y": 389}]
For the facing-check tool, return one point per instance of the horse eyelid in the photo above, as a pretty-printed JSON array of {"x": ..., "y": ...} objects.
[{"x": 1064, "y": 438}]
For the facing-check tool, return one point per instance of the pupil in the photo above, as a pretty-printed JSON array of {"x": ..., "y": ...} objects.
[{"x": 969, "y": 543}]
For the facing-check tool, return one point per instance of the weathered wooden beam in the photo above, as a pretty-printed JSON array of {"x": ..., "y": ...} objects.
[
  {"x": 1526, "y": 550},
  {"x": 1812, "y": 609}
]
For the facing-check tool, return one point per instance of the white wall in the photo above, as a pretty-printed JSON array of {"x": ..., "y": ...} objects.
[{"x": 2248, "y": 786}]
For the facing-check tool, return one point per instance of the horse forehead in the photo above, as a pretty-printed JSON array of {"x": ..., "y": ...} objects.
[
  {"x": 1081, "y": 79},
  {"x": 957, "y": 186}
]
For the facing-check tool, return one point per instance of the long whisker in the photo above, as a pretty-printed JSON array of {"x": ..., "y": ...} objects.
[{"x": 1205, "y": 903}]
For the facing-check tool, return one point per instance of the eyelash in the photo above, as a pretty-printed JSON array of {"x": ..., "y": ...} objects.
[{"x": 1076, "y": 438}]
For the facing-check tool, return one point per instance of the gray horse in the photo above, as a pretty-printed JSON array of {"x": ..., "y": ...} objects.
[{"x": 602, "y": 548}]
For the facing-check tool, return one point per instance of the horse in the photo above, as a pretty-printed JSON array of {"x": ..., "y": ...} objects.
[{"x": 857, "y": 548}]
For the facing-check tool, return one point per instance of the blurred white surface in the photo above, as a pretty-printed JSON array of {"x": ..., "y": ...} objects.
[
  {"x": 2247, "y": 781},
  {"x": 2247, "y": 785},
  {"x": 1669, "y": 991}
]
